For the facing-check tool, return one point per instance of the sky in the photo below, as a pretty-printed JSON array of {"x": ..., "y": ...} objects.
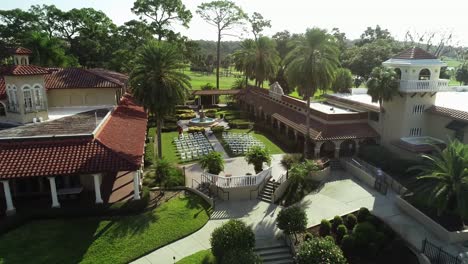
[{"x": 351, "y": 17}]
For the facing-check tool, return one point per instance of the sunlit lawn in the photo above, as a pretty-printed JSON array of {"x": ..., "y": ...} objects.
[
  {"x": 317, "y": 96},
  {"x": 199, "y": 79},
  {"x": 271, "y": 146},
  {"x": 201, "y": 257},
  {"x": 97, "y": 240}
]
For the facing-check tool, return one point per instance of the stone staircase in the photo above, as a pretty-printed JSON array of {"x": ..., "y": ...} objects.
[
  {"x": 267, "y": 192},
  {"x": 276, "y": 252},
  {"x": 204, "y": 187}
]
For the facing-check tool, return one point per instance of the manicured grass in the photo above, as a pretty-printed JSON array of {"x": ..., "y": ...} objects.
[
  {"x": 168, "y": 147},
  {"x": 97, "y": 240},
  {"x": 201, "y": 257},
  {"x": 274, "y": 149},
  {"x": 149, "y": 148},
  {"x": 199, "y": 79},
  {"x": 452, "y": 62},
  {"x": 317, "y": 96}
]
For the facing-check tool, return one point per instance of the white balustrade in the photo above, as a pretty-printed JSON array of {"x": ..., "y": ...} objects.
[
  {"x": 236, "y": 181},
  {"x": 415, "y": 86}
]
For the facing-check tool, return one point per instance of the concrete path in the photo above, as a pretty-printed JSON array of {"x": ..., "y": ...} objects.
[
  {"x": 216, "y": 144},
  {"x": 260, "y": 215}
]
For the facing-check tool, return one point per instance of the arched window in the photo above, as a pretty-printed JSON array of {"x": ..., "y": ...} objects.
[
  {"x": 398, "y": 72},
  {"x": 424, "y": 74},
  {"x": 12, "y": 98},
  {"x": 23, "y": 61},
  {"x": 28, "y": 99},
  {"x": 38, "y": 98}
]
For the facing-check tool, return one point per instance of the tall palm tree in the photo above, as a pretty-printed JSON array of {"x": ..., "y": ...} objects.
[
  {"x": 244, "y": 59},
  {"x": 382, "y": 85},
  {"x": 444, "y": 179},
  {"x": 299, "y": 183},
  {"x": 311, "y": 65},
  {"x": 266, "y": 60},
  {"x": 158, "y": 82}
]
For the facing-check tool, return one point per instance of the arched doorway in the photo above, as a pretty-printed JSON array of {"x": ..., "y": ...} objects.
[
  {"x": 398, "y": 72},
  {"x": 424, "y": 75},
  {"x": 347, "y": 148},
  {"x": 327, "y": 150}
]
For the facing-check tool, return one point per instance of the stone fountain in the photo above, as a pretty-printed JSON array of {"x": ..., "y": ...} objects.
[{"x": 202, "y": 120}]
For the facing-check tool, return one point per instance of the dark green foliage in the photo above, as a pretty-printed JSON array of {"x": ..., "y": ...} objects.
[
  {"x": 234, "y": 235},
  {"x": 217, "y": 129},
  {"x": 320, "y": 251},
  {"x": 257, "y": 156},
  {"x": 462, "y": 74},
  {"x": 240, "y": 123},
  {"x": 382, "y": 85},
  {"x": 325, "y": 228},
  {"x": 347, "y": 244},
  {"x": 343, "y": 81},
  {"x": 212, "y": 162},
  {"x": 292, "y": 220},
  {"x": 362, "y": 214},
  {"x": 350, "y": 221},
  {"x": 241, "y": 256},
  {"x": 337, "y": 220},
  {"x": 165, "y": 174},
  {"x": 299, "y": 183},
  {"x": 186, "y": 116},
  {"x": 341, "y": 231},
  {"x": 196, "y": 129},
  {"x": 308, "y": 236}
]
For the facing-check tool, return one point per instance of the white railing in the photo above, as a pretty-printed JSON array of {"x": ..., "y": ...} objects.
[
  {"x": 236, "y": 181},
  {"x": 424, "y": 86}
]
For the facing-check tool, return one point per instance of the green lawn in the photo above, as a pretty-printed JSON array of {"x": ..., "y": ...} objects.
[
  {"x": 95, "y": 240},
  {"x": 274, "y": 149},
  {"x": 451, "y": 62},
  {"x": 169, "y": 149},
  {"x": 199, "y": 79},
  {"x": 201, "y": 257},
  {"x": 317, "y": 95}
]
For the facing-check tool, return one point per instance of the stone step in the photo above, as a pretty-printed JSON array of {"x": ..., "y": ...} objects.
[{"x": 265, "y": 199}]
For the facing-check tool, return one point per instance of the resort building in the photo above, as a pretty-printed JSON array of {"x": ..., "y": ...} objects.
[
  {"x": 425, "y": 112},
  {"x": 68, "y": 133}
]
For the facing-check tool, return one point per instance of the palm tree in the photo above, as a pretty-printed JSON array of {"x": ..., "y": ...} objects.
[
  {"x": 266, "y": 60},
  {"x": 382, "y": 85},
  {"x": 257, "y": 156},
  {"x": 213, "y": 162},
  {"x": 288, "y": 161},
  {"x": 299, "y": 183},
  {"x": 444, "y": 179},
  {"x": 311, "y": 65},
  {"x": 244, "y": 59},
  {"x": 157, "y": 81}
]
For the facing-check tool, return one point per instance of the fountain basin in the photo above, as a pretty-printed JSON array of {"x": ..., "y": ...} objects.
[{"x": 207, "y": 121}]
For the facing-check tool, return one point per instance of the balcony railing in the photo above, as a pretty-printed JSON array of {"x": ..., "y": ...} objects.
[{"x": 415, "y": 86}]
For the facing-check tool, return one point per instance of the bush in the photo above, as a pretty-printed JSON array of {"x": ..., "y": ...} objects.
[
  {"x": 165, "y": 174},
  {"x": 319, "y": 251},
  {"x": 217, "y": 129},
  {"x": 169, "y": 127},
  {"x": 186, "y": 116},
  {"x": 347, "y": 244},
  {"x": 213, "y": 162},
  {"x": 241, "y": 256},
  {"x": 341, "y": 231},
  {"x": 212, "y": 115},
  {"x": 308, "y": 236},
  {"x": 209, "y": 259},
  {"x": 364, "y": 234},
  {"x": 195, "y": 129},
  {"x": 337, "y": 220},
  {"x": 240, "y": 123},
  {"x": 257, "y": 156},
  {"x": 325, "y": 228},
  {"x": 362, "y": 214},
  {"x": 184, "y": 111},
  {"x": 231, "y": 236},
  {"x": 292, "y": 220},
  {"x": 350, "y": 221}
]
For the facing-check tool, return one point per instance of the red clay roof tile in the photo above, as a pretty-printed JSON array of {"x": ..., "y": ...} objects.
[
  {"x": 20, "y": 51},
  {"x": 21, "y": 70},
  {"x": 414, "y": 53},
  {"x": 448, "y": 112}
]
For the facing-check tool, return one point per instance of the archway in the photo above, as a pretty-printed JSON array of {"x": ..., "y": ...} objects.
[
  {"x": 398, "y": 72},
  {"x": 327, "y": 150},
  {"x": 424, "y": 75},
  {"x": 347, "y": 148}
]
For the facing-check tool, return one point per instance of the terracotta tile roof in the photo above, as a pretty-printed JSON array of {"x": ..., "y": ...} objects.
[
  {"x": 118, "y": 146},
  {"x": 78, "y": 78},
  {"x": 414, "y": 53},
  {"x": 21, "y": 70},
  {"x": 448, "y": 112},
  {"x": 20, "y": 51},
  {"x": 125, "y": 130},
  {"x": 319, "y": 131},
  {"x": 2, "y": 88}
]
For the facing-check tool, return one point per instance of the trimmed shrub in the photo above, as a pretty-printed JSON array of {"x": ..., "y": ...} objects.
[
  {"x": 337, "y": 220},
  {"x": 341, "y": 231},
  {"x": 213, "y": 162},
  {"x": 362, "y": 214},
  {"x": 308, "y": 236},
  {"x": 196, "y": 129},
  {"x": 350, "y": 221},
  {"x": 241, "y": 256},
  {"x": 239, "y": 123},
  {"x": 319, "y": 251},
  {"x": 347, "y": 244},
  {"x": 234, "y": 235},
  {"x": 257, "y": 156},
  {"x": 217, "y": 129},
  {"x": 169, "y": 127},
  {"x": 292, "y": 220},
  {"x": 364, "y": 234},
  {"x": 184, "y": 111},
  {"x": 325, "y": 228},
  {"x": 186, "y": 116},
  {"x": 212, "y": 115}
]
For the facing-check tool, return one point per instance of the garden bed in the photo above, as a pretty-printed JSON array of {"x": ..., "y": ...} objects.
[{"x": 368, "y": 241}]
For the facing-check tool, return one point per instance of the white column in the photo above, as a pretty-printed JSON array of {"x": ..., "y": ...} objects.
[
  {"x": 337, "y": 153},
  {"x": 136, "y": 185},
  {"x": 53, "y": 192},
  {"x": 97, "y": 188},
  {"x": 10, "y": 208}
]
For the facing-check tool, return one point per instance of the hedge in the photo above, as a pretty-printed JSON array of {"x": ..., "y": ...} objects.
[
  {"x": 186, "y": 116},
  {"x": 217, "y": 129},
  {"x": 196, "y": 129},
  {"x": 240, "y": 123}
]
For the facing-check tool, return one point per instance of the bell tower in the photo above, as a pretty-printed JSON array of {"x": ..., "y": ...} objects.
[{"x": 419, "y": 73}]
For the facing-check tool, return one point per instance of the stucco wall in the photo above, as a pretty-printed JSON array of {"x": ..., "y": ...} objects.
[
  {"x": 360, "y": 174},
  {"x": 82, "y": 97},
  {"x": 439, "y": 131}
]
